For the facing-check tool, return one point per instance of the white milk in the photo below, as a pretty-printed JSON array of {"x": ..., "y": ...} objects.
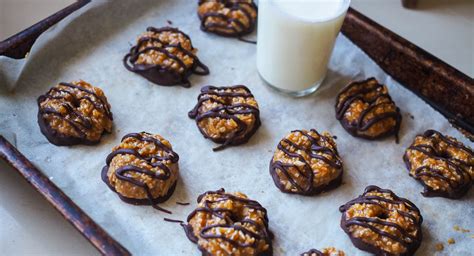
[{"x": 295, "y": 41}]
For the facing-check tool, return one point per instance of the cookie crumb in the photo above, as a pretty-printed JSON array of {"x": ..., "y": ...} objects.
[
  {"x": 169, "y": 22},
  {"x": 439, "y": 247},
  {"x": 459, "y": 229},
  {"x": 451, "y": 241},
  {"x": 411, "y": 116}
]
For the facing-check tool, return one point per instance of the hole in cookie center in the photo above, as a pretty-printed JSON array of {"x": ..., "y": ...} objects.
[
  {"x": 229, "y": 4},
  {"x": 444, "y": 154},
  {"x": 233, "y": 218},
  {"x": 382, "y": 215},
  {"x": 75, "y": 102}
]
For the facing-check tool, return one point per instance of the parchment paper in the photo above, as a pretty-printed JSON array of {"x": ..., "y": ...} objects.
[{"x": 91, "y": 45}]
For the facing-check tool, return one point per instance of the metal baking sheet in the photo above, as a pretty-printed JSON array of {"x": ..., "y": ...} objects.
[{"x": 91, "y": 47}]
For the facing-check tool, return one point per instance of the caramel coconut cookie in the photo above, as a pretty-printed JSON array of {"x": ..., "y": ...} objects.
[
  {"x": 229, "y": 224},
  {"x": 382, "y": 223},
  {"x": 74, "y": 113},
  {"x": 232, "y": 18},
  {"x": 366, "y": 110},
  {"x": 165, "y": 56},
  {"x": 330, "y": 251},
  {"x": 443, "y": 165},
  {"x": 307, "y": 163},
  {"x": 226, "y": 115},
  {"x": 143, "y": 169}
]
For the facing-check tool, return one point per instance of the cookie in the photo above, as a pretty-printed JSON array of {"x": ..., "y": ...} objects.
[
  {"x": 366, "y": 110},
  {"x": 231, "y": 18},
  {"x": 442, "y": 164},
  {"x": 229, "y": 224},
  {"x": 74, "y": 113},
  {"x": 165, "y": 56},
  {"x": 306, "y": 163},
  {"x": 330, "y": 251},
  {"x": 226, "y": 115},
  {"x": 380, "y": 222},
  {"x": 143, "y": 169}
]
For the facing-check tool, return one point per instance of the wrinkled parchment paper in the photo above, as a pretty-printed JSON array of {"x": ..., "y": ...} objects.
[{"x": 90, "y": 46}]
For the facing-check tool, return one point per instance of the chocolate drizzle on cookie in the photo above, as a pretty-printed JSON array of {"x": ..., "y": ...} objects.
[
  {"x": 226, "y": 109},
  {"x": 228, "y": 26},
  {"x": 247, "y": 40},
  {"x": 312, "y": 252},
  {"x": 173, "y": 220},
  {"x": 316, "y": 151},
  {"x": 460, "y": 181},
  {"x": 231, "y": 221},
  {"x": 378, "y": 224},
  {"x": 382, "y": 99},
  {"x": 160, "y": 73},
  {"x": 154, "y": 161},
  {"x": 80, "y": 123}
]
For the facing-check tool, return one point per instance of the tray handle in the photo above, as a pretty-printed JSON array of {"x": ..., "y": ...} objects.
[{"x": 18, "y": 45}]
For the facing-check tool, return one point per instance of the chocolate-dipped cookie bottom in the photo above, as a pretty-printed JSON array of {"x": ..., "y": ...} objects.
[
  {"x": 234, "y": 142},
  {"x": 442, "y": 164},
  {"x": 242, "y": 225},
  {"x": 387, "y": 210},
  {"x": 306, "y": 163},
  {"x": 314, "y": 191},
  {"x": 366, "y": 110},
  {"x": 135, "y": 201},
  {"x": 142, "y": 169},
  {"x": 165, "y": 62},
  {"x": 163, "y": 76},
  {"x": 60, "y": 139},
  {"x": 330, "y": 251},
  {"x": 74, "y": 113},
  {"x": 228, "y": 18},
  {"x": 361, "y": 245},
  {"x": 226, "y": 115},
  {"x": 194, "y": 239}
]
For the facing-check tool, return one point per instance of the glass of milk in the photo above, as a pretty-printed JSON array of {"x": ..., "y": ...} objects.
[{"x": 295, "y": 41}]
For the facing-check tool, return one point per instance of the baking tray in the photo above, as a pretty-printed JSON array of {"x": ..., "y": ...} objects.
[{"x": 443, "y": 87}]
